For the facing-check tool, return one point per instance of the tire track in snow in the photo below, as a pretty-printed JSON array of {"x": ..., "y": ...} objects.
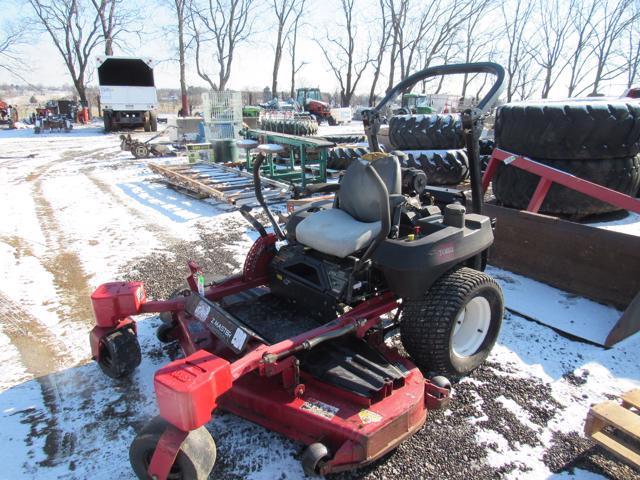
[
  {"x": 143, "y": 220},
  {"x": 34, "y": 342},
  {"x": 69, "y": 278}
]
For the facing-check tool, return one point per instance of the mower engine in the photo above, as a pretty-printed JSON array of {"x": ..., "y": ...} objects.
[{"x": 317, "y": 282}]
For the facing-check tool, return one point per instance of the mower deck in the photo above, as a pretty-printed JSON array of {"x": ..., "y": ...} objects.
[{"x": 356, "y": 429}]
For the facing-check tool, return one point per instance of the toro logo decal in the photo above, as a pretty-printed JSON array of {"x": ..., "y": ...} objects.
[{"x": 445, "y": 252}]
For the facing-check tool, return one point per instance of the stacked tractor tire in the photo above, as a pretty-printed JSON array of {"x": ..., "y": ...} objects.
[
  {"x": 293, "y": 126},
  {"x": 596, "y": 140},
  {"x": 432, "y": 143}
]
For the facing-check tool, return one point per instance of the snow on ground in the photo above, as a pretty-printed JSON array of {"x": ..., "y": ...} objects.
[
  {"x": 78, "y": 212},
  {"x": 629, "y": 224}
]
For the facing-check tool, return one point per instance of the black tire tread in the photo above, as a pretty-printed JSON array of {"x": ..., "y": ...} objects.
[
  {"x": 343, "y": 139},
  {"x": 339, "y": 158},
  {"x": 426, "y": 132},
  {"x": 443, "y": 167},
  {"x": 198, "y": 451},
  {"x": 570, "y": 130},
  {"x": 514, "y": 187},
  {"x": 303, "y": 127},
  {"x": 426, "y": 322},
  {"x": 124, "y": 349}
]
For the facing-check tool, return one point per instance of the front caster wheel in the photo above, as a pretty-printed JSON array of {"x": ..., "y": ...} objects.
[
  {"x": 166, "y": 333},
  {"x": 194, "y": 461},
  {"x": 453, "y": 327},
  {"x": 313, "y": 457},
  {"x": 119, "y": 353}
]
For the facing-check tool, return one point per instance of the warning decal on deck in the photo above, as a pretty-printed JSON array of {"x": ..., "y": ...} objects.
[
  {"x": 320, "y": 408},
  {"x": 367, "y": 416}
]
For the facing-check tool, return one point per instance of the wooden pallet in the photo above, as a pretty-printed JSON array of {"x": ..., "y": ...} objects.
[
  {"x": 606, "y": 422},
  {"x": 220, "y": 182}
]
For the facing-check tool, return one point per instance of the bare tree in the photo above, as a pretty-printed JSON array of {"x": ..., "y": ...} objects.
[
  {"x": 382, "y": 43},
  {"x": 632, "y": 53},
  {"x": 285, "y": 11},
  {"x": 441, "y": 23},
  {"x": 74, "y": 28},
  {"x": 518, "y": 55},
  {"x": 582, "y": 32},
  {"x": 11, "y": 37},
  {"x": 554, "y": 17},
  {"x": 347, "y": 63},
  {"x": 398, "y": 23},
  {"x": 423, "y": 31},
  {"x": 116, "y": 17},
  {"x": 224, "y": 23},
  {"x": 617, "y": 16},
  {"x": 292, "y": 42},
  {"x": 179, "y": 11},
  {"x": 477, "y": 45}
]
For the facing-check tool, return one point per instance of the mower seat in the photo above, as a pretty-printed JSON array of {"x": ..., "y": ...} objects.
[{"x": 355, "y": 221}]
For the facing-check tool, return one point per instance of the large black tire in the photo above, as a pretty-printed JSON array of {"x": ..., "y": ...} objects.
[
  {"x": 106, "y": 118},
  {"x": 119, "y": 353},
  {"x": 428, "y": 324},
  {"x": 153, "y": 121},
  {"x": 486, "y": 146},
  {"x": 339, "y": 158},
  {"x": 570, "y": 130},
  {"x": 514, "y": 187},
  {"x": 195, "y": 459},
  {"x": 343, "y": 139},
  {"x": 303, "y": 127},
  {"x": 443, "y": 167},
  {"x": 426, "y": 132}
]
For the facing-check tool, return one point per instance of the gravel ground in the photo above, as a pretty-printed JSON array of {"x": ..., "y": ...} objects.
[
  {"x": 518, "y": 416},
  {"x": 448, "y": 445}
]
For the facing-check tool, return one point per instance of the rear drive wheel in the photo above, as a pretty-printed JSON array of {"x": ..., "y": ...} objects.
[
  {"x": 106, "y": 118},
  {"x": 453, "y": 327},
  {"x": 194, "y": 461},
  {"x": 153, "y": 121},
  {"x": 119, "y": 353}
]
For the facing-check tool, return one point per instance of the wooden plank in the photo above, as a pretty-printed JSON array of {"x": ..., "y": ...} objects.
[
  {"x": 628, "y": 324},
  {"x": 632, "y": 399},
  {"x": 617, "y": 447},
  {"x": 619, "y": 417},
  {"x": 196, "y": 185},
  {"x": 599, "y": 264}
]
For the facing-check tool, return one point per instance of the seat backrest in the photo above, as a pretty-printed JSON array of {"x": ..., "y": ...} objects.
[
  {"x": 388, "y": 167},
  {"x": 359, "y": 194}
]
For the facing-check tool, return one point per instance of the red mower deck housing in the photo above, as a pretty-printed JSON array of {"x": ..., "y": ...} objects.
[{"x": 264, "y": 383}]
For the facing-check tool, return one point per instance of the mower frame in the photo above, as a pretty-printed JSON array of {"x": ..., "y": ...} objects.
[{"x": 188, "y": 390}]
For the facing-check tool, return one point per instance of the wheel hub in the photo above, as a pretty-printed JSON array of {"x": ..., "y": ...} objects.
[{"x": 471, "y": 327}]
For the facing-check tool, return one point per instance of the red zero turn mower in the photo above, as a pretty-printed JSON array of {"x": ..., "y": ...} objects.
[{"x": 296, "y": 342}]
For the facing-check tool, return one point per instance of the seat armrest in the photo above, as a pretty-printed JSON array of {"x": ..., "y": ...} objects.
[{"x": 321, "y": 188}]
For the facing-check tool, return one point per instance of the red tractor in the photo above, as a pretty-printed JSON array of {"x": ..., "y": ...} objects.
[
  {"x": 310, "y": 99},
  {"x": 8, "y": 114}
]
